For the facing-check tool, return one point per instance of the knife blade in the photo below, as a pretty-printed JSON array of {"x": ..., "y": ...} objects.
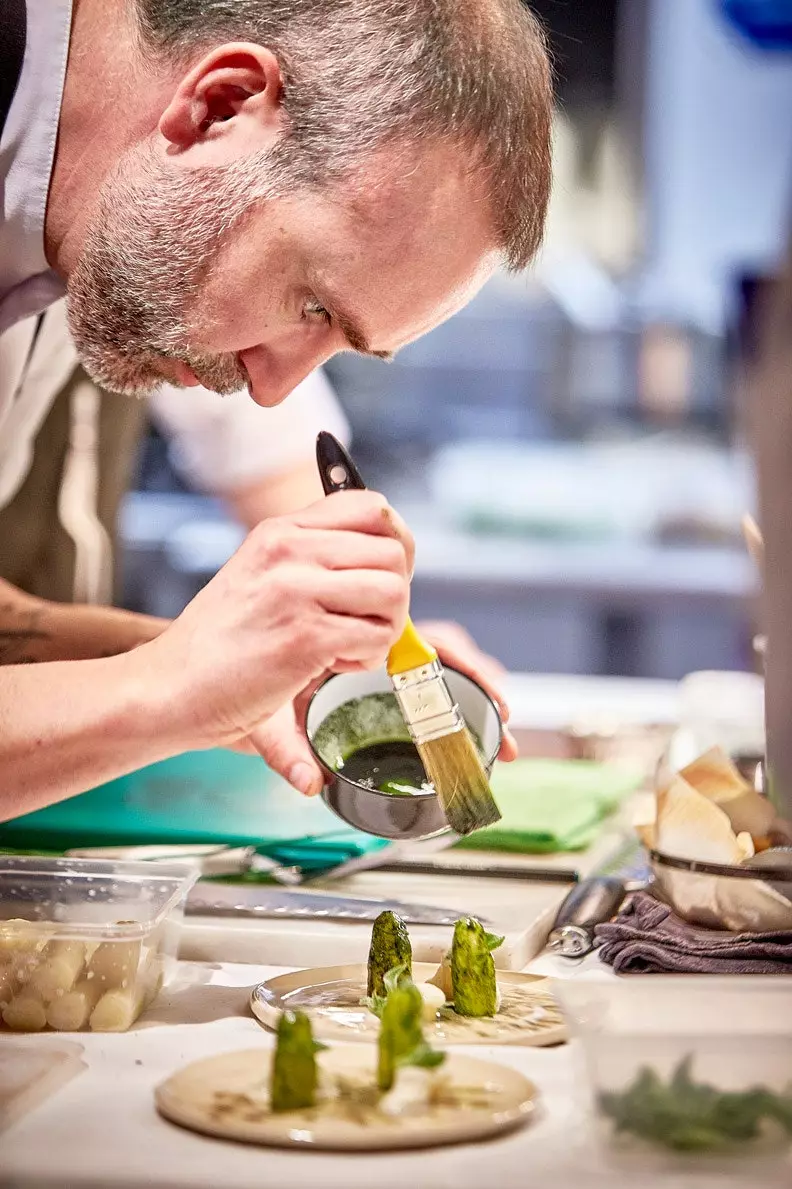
[{"x": 241, "y": 900}]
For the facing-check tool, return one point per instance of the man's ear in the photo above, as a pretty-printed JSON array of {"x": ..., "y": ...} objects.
[{"x": 236, "y": 88}]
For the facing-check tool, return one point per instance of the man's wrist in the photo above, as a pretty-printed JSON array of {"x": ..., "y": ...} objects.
[{"x": 153, "y": 703}]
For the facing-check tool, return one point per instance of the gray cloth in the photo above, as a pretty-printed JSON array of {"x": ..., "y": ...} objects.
[{"x": 648, "y": 938}]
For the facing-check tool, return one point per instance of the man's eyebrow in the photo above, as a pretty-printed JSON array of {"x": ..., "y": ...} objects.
[{"x": 350, "y": 328}]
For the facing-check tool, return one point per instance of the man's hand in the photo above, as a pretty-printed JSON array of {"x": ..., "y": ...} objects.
[
  {"x": 281, "y": 739},
  {"x": 325, "y": 588}
]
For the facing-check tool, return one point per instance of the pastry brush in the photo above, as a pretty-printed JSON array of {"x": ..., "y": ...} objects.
[{"x": 445, "y": 745}]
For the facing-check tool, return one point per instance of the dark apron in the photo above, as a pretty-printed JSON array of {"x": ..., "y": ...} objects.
[
  {"x": 38, "y": 554},
  {"x": 13, "y": 38}
]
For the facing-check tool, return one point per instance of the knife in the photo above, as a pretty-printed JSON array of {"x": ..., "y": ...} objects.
[{"x": 235, "y": 900}]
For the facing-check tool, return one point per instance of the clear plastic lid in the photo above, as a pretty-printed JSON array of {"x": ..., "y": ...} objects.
[{"x": 90, "y": 898}]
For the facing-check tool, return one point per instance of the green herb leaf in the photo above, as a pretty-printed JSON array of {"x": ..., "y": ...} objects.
[
  {"x": 493, "y": 942},
  {"x": 691, "y": 1116},
  {"x": 394, "y": 977},
  {"x": 424, "y": 1056},
  {"x": 375, "y": 1004}
]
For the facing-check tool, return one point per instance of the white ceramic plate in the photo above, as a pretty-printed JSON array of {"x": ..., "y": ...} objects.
[
  {"x": 227, "y": 1096},
  {"x": 331, "y": 995}
]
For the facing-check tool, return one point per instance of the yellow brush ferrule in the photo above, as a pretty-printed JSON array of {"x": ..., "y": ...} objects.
[{"x": 409, "y": 652}]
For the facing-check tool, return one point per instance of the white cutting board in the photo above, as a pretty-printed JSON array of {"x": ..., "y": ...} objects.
[{"x": 521, "y": 910}]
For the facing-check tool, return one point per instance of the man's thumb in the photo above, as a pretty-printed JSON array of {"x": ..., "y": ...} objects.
[{"x": 284, "y": 747}]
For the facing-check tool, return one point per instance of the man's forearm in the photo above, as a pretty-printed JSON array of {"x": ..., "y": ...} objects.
[
  {"x": 34, "y": 630},
  {"x": 275, "y": 495},
  {"x": 67, "y": 727}
]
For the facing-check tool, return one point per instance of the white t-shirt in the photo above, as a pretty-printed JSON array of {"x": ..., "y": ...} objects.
[{"x": 219, "y": 443}]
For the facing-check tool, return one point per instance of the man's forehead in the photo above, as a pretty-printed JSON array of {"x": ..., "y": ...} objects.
[
  {"x": 398, "y": 272},
  {"x": 380, "y": 310}
]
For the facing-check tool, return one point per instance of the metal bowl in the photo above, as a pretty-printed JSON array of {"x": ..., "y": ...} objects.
[
  {"x": 753, "y": 897},
  {"x": 386, "y": 816}
]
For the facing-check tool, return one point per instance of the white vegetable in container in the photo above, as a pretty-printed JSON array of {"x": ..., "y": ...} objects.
[
  {"x": 58, "y": 969},
  {"x": 117, "y": 1010},
  {"x": 72, "y": 1011},
  {"x": 21, "y": 947},
  {"x": 8, "y": 984},
  {"x": 25, "y": 1013},
  {"x": 115, "y": 963}
]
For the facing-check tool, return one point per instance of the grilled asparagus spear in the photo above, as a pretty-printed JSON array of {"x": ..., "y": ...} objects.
[
  {"x": 294, "y": 1074},
  {"x": 390, "y": 947},
  {"x": 401, "y": 1039},
  {"x": 473, "y": 970}
]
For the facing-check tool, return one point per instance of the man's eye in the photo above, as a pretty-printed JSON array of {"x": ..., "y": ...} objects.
[{"x": 314, "y": 308}]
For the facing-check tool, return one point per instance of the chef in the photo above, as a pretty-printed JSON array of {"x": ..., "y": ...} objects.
[{"x": 226, "y": 200}]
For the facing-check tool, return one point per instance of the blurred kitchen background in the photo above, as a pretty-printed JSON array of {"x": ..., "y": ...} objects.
[{"x": 570, "y": 450}]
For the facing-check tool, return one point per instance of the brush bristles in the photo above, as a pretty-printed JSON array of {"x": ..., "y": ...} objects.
[{"x": 454, "y": 767}]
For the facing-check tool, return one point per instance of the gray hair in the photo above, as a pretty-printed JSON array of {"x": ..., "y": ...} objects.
[{"x": 359, "y": 74}]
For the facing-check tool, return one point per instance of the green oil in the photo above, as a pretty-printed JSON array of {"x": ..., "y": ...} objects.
[{"x": 393, "y": 766}]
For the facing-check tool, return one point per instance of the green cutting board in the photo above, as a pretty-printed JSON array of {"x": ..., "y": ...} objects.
[{"x": 206, "y": 796}]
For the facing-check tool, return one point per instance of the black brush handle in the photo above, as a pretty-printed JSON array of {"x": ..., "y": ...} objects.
[{"x": 336, "y": 469}]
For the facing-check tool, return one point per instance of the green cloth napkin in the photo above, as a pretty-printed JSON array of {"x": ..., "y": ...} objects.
[{"x": 551, "y": 805}]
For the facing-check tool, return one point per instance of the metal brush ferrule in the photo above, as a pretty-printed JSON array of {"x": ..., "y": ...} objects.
[{"x": 426, "y": 703}]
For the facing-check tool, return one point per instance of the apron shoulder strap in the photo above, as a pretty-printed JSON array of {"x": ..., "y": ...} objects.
[{"x": 13, "y": 38}]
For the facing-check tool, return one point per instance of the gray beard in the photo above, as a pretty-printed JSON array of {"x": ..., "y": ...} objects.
[{"x": 153, "y": 239}]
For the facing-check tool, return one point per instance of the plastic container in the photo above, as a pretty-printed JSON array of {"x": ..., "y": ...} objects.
[
  {"x": 735, "y": 1034},
  {"x": 86, "y": 944}
]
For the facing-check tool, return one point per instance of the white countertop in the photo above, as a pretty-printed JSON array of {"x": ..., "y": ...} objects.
[{"x": 100, "y": 1131}]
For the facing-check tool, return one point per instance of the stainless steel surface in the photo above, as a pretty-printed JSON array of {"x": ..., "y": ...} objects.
[
  {"x": 381, "y": 814},
  {"x": 231, "y": 900}
]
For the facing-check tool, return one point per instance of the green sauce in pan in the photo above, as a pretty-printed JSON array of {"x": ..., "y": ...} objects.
[{"x": 392, "y": 767}]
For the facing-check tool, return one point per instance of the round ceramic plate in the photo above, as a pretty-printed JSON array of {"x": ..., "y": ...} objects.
[
  {"x": 228, "y": 1097},
  {"x": 331, "y": 995}
]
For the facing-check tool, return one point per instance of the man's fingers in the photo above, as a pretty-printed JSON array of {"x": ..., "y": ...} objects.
[
  {"x": 360, "y": 512},
  {"x": 509, "y": 750},
  {"x": 345, "y": 550},
  {"x": 367, "y": 594}
]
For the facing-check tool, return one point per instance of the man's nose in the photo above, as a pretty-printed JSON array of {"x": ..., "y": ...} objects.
[{"x": 275, "y": 370}]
